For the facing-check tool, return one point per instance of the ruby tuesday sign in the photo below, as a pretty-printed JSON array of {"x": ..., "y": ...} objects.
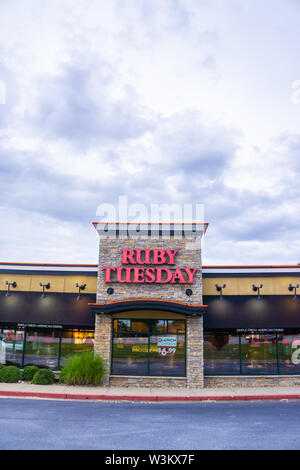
[{"x": 132, "y": 270}]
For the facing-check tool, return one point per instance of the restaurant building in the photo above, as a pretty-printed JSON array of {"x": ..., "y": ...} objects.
[{"x": 154, "y": 313}]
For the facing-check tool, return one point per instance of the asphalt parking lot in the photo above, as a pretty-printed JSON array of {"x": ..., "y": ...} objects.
[{"x": 67, "y": 425}]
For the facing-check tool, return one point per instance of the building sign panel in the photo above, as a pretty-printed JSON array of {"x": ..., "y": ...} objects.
[{"x": 156, "y": 275}]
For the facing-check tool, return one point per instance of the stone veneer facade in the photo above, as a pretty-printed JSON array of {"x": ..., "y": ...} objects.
[
  {"x": 189, "y": 255},
  {"x": 246, "y": 381}
]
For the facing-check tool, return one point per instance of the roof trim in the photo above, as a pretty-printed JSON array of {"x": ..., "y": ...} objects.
[{"x": 173, "y": 225}]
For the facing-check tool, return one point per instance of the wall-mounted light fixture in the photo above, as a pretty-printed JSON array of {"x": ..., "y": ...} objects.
[
  {"x": 44, "y": 286},
  {"x": 110, "y": 291},
  {"x": 9, "y": 285},
  {"x": 220, "y": 289},
  {"x": 80, "y": 288},
  {"x": 294, "y": 288},
  {"x": 189, "y": 292},
  {"x": 257, "y": 289}
]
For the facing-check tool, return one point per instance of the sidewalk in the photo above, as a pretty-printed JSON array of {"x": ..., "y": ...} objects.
[{"x": 63, "y": 392}]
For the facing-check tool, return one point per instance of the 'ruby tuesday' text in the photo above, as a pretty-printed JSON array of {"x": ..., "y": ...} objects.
[{"x": 149, "y": 274}]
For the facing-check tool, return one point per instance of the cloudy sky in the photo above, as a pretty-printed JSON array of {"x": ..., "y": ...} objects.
[{"x": 175, "y": 101}]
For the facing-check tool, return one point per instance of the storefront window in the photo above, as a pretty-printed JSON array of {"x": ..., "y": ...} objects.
[
  {"x": 130, "y": 353},
  {"x": 167, "y": 355},
  {"x": 289, "y": 353},
  {"x": 11, "y": 346},
  {"x": 158, "y": 326},
  {"x": 221, "y": 354},
  {"x": 42, "y": 348},
  {"x": 75, "y": 342},
  {"x": 121, "y": 325},
  {"x": 149, "y": 349},
  {"x": 140, "y": 326},
  {"x": 176, "y": 326},
  {"x": 259, "y": 354}
]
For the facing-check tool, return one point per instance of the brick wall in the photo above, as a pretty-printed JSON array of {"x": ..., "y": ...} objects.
[
  {"x": 103, "y": 338},
  {"x": 254, "y": 381},
  {"x": 110, "y": 255},
  {"x": 194, "y": 353},
  {"x": 147, "y": 382}
]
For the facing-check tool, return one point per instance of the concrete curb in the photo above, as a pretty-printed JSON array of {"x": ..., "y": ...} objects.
[{"x": 154, "y": 398}]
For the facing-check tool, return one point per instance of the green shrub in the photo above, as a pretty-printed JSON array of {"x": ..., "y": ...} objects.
[
  {"x": 83, "y": 369},
  {"x": 29, "y": 372},
  {"x": 1, "y": 366},
  {"x": 43, "y": 377},
  {"x": 10, "y": 374}
]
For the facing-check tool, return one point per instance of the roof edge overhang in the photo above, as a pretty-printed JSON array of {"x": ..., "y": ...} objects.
[
  {"x": 148, "y": 304},
  {"x": 188, "y": 229}
]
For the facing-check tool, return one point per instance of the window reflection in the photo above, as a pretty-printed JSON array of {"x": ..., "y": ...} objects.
[
  {"x": 158, "y": 326},
  {"x": 130, "y": 354},
  {"x": 289, "y": 353},
  {"x": 149, "y": 349},
  {"x": 140, "y": 325},
  {"x": 176, "y": 326},
  {"x": 259, "y": 354},
  {"x": 75, "y": 342},
  {"x": 221, "y": 354},
  {"x": 121, "y": 325},
  {"x": 11, "y": 346},
  {"x": 41, "y": 348}
]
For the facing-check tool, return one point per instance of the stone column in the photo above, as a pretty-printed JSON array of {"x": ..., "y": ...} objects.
[
  {"x": 103, "y": 338},
  {"x": 194, "y": 352}
]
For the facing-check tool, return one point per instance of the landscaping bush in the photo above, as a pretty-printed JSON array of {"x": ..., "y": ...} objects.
[
  {"x": 43, "y": 377},
  {"x": 29, "y": 372},
  {"x": 1, "y": 366},
  {"x": 83, "y": 369},
  {"x": 10, "y": 374}
]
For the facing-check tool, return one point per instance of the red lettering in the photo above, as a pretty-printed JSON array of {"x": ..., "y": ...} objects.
[
  {"x": 159, "y": 275},
  {"x": 159, "y": 257},
  {"x": 107, "y": 273},
  {"x": 146, "y": 256},
  {"x": 150, "y": 273},
  {"x": 191, "y": 273},
  {"x": 127, "y": 257},
  {"x": 128, "y": 274},
  {"x": 178, "y": 276},
  {"x": 138, "y": 275},
  {"x": 119, "y": 275},
  {"x": 171, "y": 256}
]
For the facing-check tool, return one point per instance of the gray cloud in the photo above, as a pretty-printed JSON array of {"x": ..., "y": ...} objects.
[
  {"x": 195, "y": 148},
  {"x": 76, "y": 106},
  {"x": 31, "y": 185},
  {"x": 196, "y": 155},
  {"x": 86, "y": 106}
]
